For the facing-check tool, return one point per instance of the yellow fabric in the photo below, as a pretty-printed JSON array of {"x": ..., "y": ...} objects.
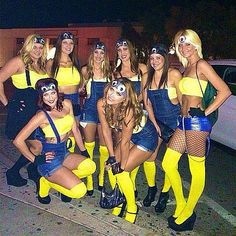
[
  {"x": 172, "y": 92},
  {"x": 166, "y": 185},
  {"x": 68, "y": 76},
  {"x": 133, "y": 175},
  {"x": 88, "y": 85},
  {"x": 20, "y": 82},
  {"x": 63, "y": 125},
  {"x": 150, "y": 172},
  {"x": 112, "y": 178},
  {"x": 197, "y": 169},
  {"x": 170, "y": 164},
  {"x": 90, "y": 148},
  {"x": 138, "y": 128},
  {"x": 72, "y": 141},
  {"x": 85, "y": 168},
  {"x": 104, "y": 154},
  {"x": 134, "y": 78},
  {"x": 190, "y": 86},
  {"x": 44, "y": 187}
]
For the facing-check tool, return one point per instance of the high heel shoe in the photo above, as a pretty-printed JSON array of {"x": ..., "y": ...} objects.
[
  {"x": 90, "y": 192},
  {"x": 150, "y": 196},
  {"x": 186, "y": 225},
  {"x": 14, "y": 178},
  {"x": 64, "y": 198},
  {"x": 44, "y": 200},
  {"x": 162, "y": 201},
  {"x": 131, "y": 216}
]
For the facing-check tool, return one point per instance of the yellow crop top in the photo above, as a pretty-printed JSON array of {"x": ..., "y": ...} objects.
[
  {"x": 67, "y": 76},
  {"x": 190, "y": 86},
  {"x": 88, "y": 85},
  {"x": 134, "y": 78},
  {"x": 63, "y": 125},
  {"x": 172, "y": 94},
  {"x": 20, "y": 82}
]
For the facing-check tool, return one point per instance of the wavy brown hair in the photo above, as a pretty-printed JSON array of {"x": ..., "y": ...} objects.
[{"x": 131, "y": 103}]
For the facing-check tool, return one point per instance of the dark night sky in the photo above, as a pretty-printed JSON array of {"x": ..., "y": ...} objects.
[{"x": 56, "y": 13}]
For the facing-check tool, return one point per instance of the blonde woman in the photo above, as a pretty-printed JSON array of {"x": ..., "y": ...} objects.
[{"x": 25, "y": 70}]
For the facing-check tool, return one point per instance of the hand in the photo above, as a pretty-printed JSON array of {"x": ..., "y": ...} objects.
[
  {"x": 111, "y": 160},
  {"x": 85, "y": 153},
  {"x": 44, "y": 158},
  {"x": 116, "y": 168}
]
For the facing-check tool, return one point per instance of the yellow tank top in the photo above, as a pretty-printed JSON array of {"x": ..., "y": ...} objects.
[
  {"x": 67, "y": 76},
  {"x": 20, "y": 82},
  {"x": 172, "y": 92},
  {"x": 190, "y": 86},
  {"x": 134, "y": 78},
  {"x": 63, "y": 125}
]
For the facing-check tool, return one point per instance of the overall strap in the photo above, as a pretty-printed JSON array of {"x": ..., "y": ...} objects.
[
  {"x": 27, "y": 74},
  {"x": 53, "y": 127}
]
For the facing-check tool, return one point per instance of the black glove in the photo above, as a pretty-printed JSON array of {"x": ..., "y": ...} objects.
[
  {"x": 40, "y": 159},
  {"x": 111, "y": 160},
  {"x": 85, "y": 153},
  {"x": 196, "y": 112},
  {"x": 116, "y": 169}
]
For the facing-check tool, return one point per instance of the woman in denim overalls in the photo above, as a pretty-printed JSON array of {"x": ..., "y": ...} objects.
[
  {"x": 161, "y": 98},
  {"x": 60, "y": 169},
  {"x": 96, "y": 74}
]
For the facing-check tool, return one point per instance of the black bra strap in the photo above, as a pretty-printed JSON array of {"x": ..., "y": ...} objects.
[{"x": 27, "y": 77}]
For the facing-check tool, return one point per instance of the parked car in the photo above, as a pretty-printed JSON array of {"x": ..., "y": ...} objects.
[{"x": 224, "y": 131}]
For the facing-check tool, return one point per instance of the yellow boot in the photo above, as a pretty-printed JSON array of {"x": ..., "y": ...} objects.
[
  {"x": 43, "y": 194},
  {"x": 104, "y": 154}
]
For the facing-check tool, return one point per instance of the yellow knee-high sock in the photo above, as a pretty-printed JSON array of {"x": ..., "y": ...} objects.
[
  {"x": 126, "y": 185},
  {"x": 71, "y": 143},
  {"x": 104, "y": 154},
  {"x": 90, "y": 148},
  {"x": 150, "y": 172},
  {"x": 197, "y": 169},
  {"x": 85, "y": 168},
  {"x": 169, "y": 164},
  {"x": 77, "y": 191},
  {"x": 44, "y": 187},
  {"x": 166, "y": 185},
  {"x": 133, "y": 175}
]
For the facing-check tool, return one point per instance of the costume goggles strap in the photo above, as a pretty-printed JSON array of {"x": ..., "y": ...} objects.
[
  {"x": 67, "y": 35},
  {"x": 39, "y": 40},
  {"x": 120, "y": 87},
  {"x": 121, "y": 42},
  {"x": 158, "y": 50},
  {"x": 47, "y": 87},
  {"x": 100, "y": 45}
]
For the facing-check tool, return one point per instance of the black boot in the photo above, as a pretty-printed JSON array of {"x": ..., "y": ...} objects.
[
  {"x": 64, "y": 198},
  {"x": 13, "y": 176},
  {"x": 150, "y": 196},
  {"x": 33, "y": 174},
  {"x": 162, "y": 201},
  {"x": 185, "y": 226}
]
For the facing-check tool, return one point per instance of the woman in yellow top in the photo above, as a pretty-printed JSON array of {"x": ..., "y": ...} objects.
[
  {"x": 194, "y": 126},
  {"x": 96, "y": 74},
  {"x": 25, "y": 70},
  {"x": 60, "y": 169}
]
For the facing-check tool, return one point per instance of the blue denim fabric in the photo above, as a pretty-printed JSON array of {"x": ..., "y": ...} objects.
[
  {"x": 194, "y": 123},
  {"x": 74, "y": 97},
  {"x": 163, "y": 108},
  {"x": 137, "y": 86},
  {"x": 60, "y": 151},
  {"x": 89, "y": 112},
  {"x": 147, "y": 138}
]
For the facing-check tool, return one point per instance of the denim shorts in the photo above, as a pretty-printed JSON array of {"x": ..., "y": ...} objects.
[
  {"x": 147, "y": 138},
  {"x": 61, "y": 153},
  {"x": 89, "y": 113}
]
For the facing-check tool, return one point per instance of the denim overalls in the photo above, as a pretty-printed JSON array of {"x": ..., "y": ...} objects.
[
  {"x": 163, "y": 109},
  {"x": 89, "y": 112},
  {"x": 74, "y": 97},
  {"x": 58, "y": 148}
]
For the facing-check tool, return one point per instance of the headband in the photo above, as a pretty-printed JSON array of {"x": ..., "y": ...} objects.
[
  {"x": 67, "y": 35},
  {"x": 121, "y": 42},
  {"x": 39, "y": 40},
  {"x": 120, "y": 87},
  {"x": 100, "y": 45},
  {"x": 47, "y": 87},
  {"x": 159, "y": 49},
  {"x": 183, "y": 39}
]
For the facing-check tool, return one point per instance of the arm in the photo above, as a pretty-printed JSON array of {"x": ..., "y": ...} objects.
[
  {"x": 205, "y": 70},
  {"x": 143, "y": 69},
  {"x": 49, "y": 67},
  {"x": 175, "y": 77},
  {"x": 9, "y": 69}
]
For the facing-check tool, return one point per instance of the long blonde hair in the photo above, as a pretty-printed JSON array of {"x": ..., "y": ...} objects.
[
  {"x": 27, "y": 48},
  {"x": 130, "y": 103},
  {"x": 192, "y": 37}
]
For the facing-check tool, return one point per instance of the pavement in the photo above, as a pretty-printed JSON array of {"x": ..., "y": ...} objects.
[{"x": 22, "y": 214}]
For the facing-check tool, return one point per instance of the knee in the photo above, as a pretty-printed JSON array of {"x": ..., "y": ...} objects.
[
  {"x": 79, "y": 190},
  {"x": 170, "y": 160},
  {"x": 88, "y": 165},
  {"x": 103, "y": 150}
]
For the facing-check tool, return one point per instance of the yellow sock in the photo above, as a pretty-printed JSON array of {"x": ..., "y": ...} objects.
[
  {"x": 133, "y": 175},
  {"x": 44, "y": 187},
  {"x": 104, "y": 154},
  {"x": 71, "y": 144},
  {"x": 85, "y": 168},
  {"x": 126, "y": 185},
  {"x": 169, "y": 164},
  {"x": 90, "y": 148},
  {"x": 112, "y": 179},
  {"x": 167, "y": 185},
  {"x": 150, "y": 172},
  {"x": 77, "y": 191},
  {"x": 197, "y": 169}
]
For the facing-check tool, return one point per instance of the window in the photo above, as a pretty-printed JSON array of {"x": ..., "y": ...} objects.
[{"x": 92, "y": 41}]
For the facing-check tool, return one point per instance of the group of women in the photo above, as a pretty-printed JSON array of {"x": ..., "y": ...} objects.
[{"x": 128, "y": 107}]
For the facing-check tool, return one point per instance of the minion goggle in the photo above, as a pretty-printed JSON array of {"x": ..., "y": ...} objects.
[
  {"x": 120, "y": 87},
  {"x": 121, "y": 42},
  {"x": 47, "y": 87},
  {"x": 100, "y": 45},
  {"x": 39, "y": 40},
  {"x": 183, "y": 39},
  {"x": 67, "y": 35},
  {"x": 158, "y": 50}
]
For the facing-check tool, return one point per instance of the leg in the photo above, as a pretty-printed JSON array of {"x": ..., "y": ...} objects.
[{"x": 133, "y": 175}]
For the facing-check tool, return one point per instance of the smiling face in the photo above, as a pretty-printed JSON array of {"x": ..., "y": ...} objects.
[
  {"x": 98, "y": 56},
  {"x": 123, "y": 53},
  {"x": 50, "y": 98},
  {"x": 37, "y": 51},
  {"x": 187, "y": 49},
  {"x": 157, "y": 61},
  {"x": 67, "y": 46}
]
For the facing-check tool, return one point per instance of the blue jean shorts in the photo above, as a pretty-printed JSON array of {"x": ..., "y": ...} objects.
[
  {"x": 147, "y": 138},
  {"x": 61, "y": 153}
]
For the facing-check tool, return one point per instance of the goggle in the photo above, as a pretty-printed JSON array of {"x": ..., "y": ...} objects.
[
  {"x": 100, "y": 45},
  {"x": 39, "y": 40},
  {"x": 67, "y": 35},
  {"x": 183, "y": 39},
  {"x": 47, "y": 88},
  {"x": 121, "y": 42},
  {"x": 120, "y": 87},
  {"x": 158, "y": 50}
]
